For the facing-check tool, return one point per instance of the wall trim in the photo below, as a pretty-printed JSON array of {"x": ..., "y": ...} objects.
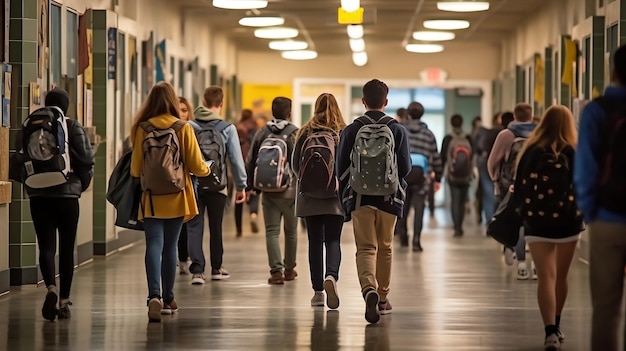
[
  {"x": 5, "y": 281},
  {"x": 125, "y": 238},
  {"x": 84, "y": 253},
  {"x": 24, "y": 275}
]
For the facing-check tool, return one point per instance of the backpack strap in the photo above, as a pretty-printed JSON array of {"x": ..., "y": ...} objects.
[
  {"x": 178, "y": 125},
  {"x": 365, "y": 120},
  {"x": 146, "y": 126}
]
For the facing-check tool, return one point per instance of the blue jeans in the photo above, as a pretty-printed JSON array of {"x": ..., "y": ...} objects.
[
  {"x": 488, "y": 198},
  {"x": 161, "y": 255}
]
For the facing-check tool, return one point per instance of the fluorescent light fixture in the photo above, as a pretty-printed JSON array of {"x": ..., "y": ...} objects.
[
  {"x": 288, "y": 45},
  {"x": 446, "y": 24},
  {"x": 357, "y": 45},
  {"x": 262, "y": 21},
  {"x": 276, "y": 33},
  {"x": 299, "y": 55},
  {"x": 240, "y": 4},
  {"x": 424, "y": 48},
  {"x": 355, "y": 31},
  {"x": 433, "y": 36},
  {"x": 463, "y": 6},
  {"x": 350, "y": 5},
  {"x": 359, "y": 58}
]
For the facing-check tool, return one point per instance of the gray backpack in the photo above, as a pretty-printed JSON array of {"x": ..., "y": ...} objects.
[
  {"x": 211, "y": 142},
  {"x": 272, "y": 173},
  {"x": 374, "y": 167}
]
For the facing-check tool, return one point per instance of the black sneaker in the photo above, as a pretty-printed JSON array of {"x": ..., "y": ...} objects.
[
  {"x": 219, "y": 274},
  {"x": 49, "y": 309},
  {"x": 371, "y": 306},
  {"x": 64, "y": 310}
]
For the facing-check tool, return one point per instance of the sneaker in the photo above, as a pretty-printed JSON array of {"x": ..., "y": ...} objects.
[
  {"x": 64, "y": 309},
  {"x": 371, "y": 306},
  {"x": 169, "y": 308},
  {"x": 183, "y": 267},
  {"x": 317, "y": 299},
  {"x": 522, "y": 272},
  {"x": 198, "y": 279},
  {"x": 560, "y": 334},
  {"x": 332, "y": 298},
  {"x": 49, "y": 309},
  {"x": 253, "y": 225},
  {"x": 290, "y": 274},
  {"x": 534, "y": 269},
  {"x": 509, "y": 256},
  {"x": 219, "y": 274},
  {"x": 552, "y": 343},
  {"x": 154, "y": 309},
  {"x": 417, "y": 247},
  {"x": 277, "y": 278},
  {"x": 384, "y": 307}
]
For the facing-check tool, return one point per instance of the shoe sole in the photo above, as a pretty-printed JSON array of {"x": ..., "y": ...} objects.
[
  {"x": 168, "y": 311},
  {"x": 49, "y": 310},
  {"x": 154, "y": 310},
  {"x": 332, "y": 297},
  {"x": 197, "y": 281},
  {"x": 371, "y": 307},
  {"x": 219, "y": 277},
  {"x": 385, "y": 312}
]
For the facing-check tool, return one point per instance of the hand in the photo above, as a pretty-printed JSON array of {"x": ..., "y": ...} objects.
[
  {"x": 248, "y": 195},
  {"x": 437, "y": 186},
  {"x": 240, "y": 197}
]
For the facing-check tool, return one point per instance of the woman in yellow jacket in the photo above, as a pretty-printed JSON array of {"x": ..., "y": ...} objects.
[{"x": 163, "y": 215}]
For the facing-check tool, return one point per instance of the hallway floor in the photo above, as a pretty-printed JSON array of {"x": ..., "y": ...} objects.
[{"x": 457, "y": 295}]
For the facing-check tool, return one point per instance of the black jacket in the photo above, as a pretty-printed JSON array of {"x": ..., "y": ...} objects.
[{"x": 81, "y": 160}]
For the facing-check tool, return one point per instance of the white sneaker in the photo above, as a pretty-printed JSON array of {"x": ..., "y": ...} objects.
[
  {"x": 509, "y": 256},
  {"x": 317, "y": 299},
  {"x": 522, "y": 271},
  {"x": 532, "y": 265},
  {"x": 332, "y": 297},
  {"x": 198, "y": 279},
  {"x": 552, "y": 343},
  {"x": 155, "y": 306}
]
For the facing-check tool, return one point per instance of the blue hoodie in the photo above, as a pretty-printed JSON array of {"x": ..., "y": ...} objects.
[{"x": 588, "y": 158}]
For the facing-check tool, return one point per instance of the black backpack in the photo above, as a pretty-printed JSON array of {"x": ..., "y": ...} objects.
[
  {"x": 317, "y": 165},
  {"x": 508, "y": 166},
  {"x": 612, "y": 186},
  {"x": 211, "y": 142}
]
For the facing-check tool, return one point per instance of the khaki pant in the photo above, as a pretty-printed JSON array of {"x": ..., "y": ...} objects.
[
  {"x": 373, "y": 233},
  {"x": 607, "y": 257}
]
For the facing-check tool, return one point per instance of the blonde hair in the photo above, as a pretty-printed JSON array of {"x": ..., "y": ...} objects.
[
  {"x": 327, "y": 116},
  {"x": 556, "y": 127},
  {"x": 186, "y": 102},
  {"x": 162, "y": 100}
]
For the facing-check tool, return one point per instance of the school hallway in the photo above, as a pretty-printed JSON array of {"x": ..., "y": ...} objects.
[{"x": 456, "y": 295}]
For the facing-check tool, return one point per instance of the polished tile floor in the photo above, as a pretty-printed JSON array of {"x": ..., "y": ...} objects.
[{"x": 457, "y": 295}]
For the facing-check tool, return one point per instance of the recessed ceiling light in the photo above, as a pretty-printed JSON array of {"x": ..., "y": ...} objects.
[
  {"x": 266, "y": 21},
  {"x": 357, "y": 45},
  {"x": 240, "y": 4},
  {"x": 446, "y": 24},
  {"x": 424, "y": 48},
  {"x": 433, "y": 36},
  {"x": 359, "y": 58},
  {"x": 299, "y": 55},
  {"x": 276, "y": 33},
  {"x": 350, "y": 5},
  {"x": 463, "y": 6},
  {"x": 288, "y": 45},
  {"x": 355, "y": 31}
]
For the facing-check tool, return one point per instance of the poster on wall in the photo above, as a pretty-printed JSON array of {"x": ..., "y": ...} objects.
[
  {"x": 160, "y": 61},
  {"x": 112, "y": 52},
  {"x": 34, "y": 96},
  {"x": 147, "y": 65},
  {"x": 6, "y": 95},
  {"x": 42, "y": 37}
]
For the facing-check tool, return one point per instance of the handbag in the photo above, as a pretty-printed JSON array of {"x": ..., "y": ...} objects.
[{"x": 506, "y": 222}]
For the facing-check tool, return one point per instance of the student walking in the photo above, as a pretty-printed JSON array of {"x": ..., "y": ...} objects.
[
  {"x": 599, "y": 173},
  {"x": 552, "y": 223},
  {"x": 269, "y": 166},
  {"x": 246, "y": 129},
  {"x": 186, "y": 114},
  {"x": 372, "y": 204},
  {"x": 317, "y": 200},
  {"x": 218, "y": 140},
  {"x": 168, "y": 197}
]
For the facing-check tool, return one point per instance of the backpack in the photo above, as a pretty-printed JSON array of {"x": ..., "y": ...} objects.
[
  {"x": 317, "y": 165},
  {"x": 374, "y": 167},
  {"x": 272, "y": 172},
  {"x": 211, "y": 142},
  {"x": 459, "y": 159},
  {"x": 419, "y": 166},
  {"x": 508, "y": 166},
  {"x": 45, "y": 149},
  {"x": 163, "y": 171},
  {"x": 612, "y": 188},
  {"x": 550, "y": 203}
]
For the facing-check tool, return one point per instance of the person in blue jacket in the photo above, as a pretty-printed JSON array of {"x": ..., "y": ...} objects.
[{"x": 607, "y": 223}]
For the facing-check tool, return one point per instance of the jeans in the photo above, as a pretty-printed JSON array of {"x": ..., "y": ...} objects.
[
  {"x": 183, "y": 253},
  {"x": 214, "y": 203},
  {"x": 417, "y": 201},
  {"x": 274, "y": 209},
  {"x": 49, "y": 216},
  {"x": 254, "y": 208},
  {"x": 458, "y": 194},
  {"x": 161, "y": 243},
  {"x": 488, "y": 197},
  {"x": 324, "y": 230}
]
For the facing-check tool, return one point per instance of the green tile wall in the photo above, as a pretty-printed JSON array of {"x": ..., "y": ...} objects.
[
  {"x": 566, "y": 92},
  {"x": 597, "y": 53},
  {"x": 520, "y": 84},
  {"x": 549, "y": 75}
]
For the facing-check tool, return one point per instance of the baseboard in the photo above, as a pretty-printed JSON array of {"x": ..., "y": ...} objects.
[
  {"x": 84, "y": 253},
  {"x": 24, "y": 275},
  {"x": 125, "y": 238},
  {"x": 5, "y": 281}
]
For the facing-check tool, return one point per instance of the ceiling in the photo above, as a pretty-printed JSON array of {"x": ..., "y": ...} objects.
[{"x": 387, "y": 23}]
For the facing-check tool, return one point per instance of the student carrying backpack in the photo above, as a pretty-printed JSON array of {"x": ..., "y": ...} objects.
[
  {"x": 272, "y": 172},
  {"x": 508, "y": 164},
  {"x": 459, "y": 166},
  {"x": 317, "y": 165},
  {"x": 213, "y": 149}
]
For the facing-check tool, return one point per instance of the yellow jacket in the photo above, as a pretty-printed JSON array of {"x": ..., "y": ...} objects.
[{"x": 182, "y": 204}]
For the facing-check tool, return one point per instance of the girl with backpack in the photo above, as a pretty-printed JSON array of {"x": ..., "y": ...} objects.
[
  {"x": 552, "y": 222},
  {"x": 168, "y": 197},
  {"x": 186, "y": 114},
  {"x": 317, "y": 200}
]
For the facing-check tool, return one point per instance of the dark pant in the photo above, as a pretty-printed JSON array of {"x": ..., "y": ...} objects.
[
  {"x": 458, "y": 195},
  {"x": 417, "y": 201},
  {"x": 214, "y": 203},
  {"x": 324, "y": 230},
  {"x": 183, "y": 252},
  {"x": 49, "y": 216},
  {"x": 254, "y": 208},
  {"x": 431, "y": 198}
]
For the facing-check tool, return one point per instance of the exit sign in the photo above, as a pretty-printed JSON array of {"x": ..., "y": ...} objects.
[{"x": 354, "y": 17}]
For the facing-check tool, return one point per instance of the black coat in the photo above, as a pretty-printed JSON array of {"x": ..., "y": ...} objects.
[{"x": 124, "y": 193}]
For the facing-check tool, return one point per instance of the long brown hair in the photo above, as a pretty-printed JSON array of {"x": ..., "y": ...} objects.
[
  {"x": 182, "y": 100},
  {"x": 327, "y": 116},
  {"x": 162, "y": 100},
  {"x": 555, "y": 128}
]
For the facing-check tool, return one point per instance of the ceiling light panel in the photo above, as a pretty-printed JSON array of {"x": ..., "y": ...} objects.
[
  {"x": 463, "y": 6},
  {"x": 433, "y": 36},
  {"x": 350, "y": 5},
  {"x": 355, "y": 31},
  {"x": 288, "y": 45},
  {"x": 424, "y": 48},
  {"x": 357, "y": 45},
  {"x": 446, "y": 24},
  {"x": 261, "y": 21},
  {"x": 299, "y": 55},
  {"x": 240, "y": 4},
  {"x": 276, "y": 33},
  {"x": 359, "y": 58}
]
